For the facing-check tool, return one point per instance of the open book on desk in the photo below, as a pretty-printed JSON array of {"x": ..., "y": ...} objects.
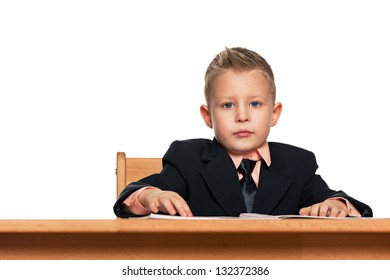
[
  {"x": 256, "y": 216},
  {"x": 170, "y": 217},
  {"x": 243, "y": 216}
]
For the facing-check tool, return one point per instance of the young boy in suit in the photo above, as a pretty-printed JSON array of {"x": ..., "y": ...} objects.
[{"x": 204, "y": 177}]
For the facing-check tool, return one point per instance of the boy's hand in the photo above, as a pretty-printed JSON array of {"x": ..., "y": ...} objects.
[
  {"x": 327, "y": 208},
  {"x": 165, "y": 201}
]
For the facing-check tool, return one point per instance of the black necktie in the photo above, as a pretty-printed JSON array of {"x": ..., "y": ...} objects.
[{"x": 248, "y": 186}]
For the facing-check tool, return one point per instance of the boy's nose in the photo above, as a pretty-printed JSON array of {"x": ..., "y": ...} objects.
[{"x": 242, "y": 115}]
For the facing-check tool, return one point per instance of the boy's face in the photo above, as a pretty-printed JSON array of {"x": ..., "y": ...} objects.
[{"x": 241, "y": 110}]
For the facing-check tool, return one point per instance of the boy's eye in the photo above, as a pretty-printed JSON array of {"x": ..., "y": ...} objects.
[
  {"x": 228, "y": 105},
  {"x": 254, "y": 104}
]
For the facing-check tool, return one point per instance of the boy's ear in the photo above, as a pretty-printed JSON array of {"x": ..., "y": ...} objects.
[
  {"x": 205, "y": 112},
  {"x": 276, "y": 113}
]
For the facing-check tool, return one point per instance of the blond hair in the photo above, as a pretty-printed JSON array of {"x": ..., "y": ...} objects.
[{"x": 238, "y": 59}]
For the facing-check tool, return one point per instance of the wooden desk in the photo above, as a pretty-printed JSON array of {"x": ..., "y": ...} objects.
[{"x": 200, "y": 239}]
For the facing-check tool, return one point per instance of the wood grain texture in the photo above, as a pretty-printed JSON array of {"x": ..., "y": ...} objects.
[
  {"x": 211, "y": 239},
  {"x": 132, "y": 169}
]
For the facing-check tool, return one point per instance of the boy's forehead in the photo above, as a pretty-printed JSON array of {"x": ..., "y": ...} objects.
[
  {"x": 234, "y": 82},
  {"x": 232, "y": 75}
]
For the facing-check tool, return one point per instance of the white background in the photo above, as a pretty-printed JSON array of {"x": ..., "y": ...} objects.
[
  {"x": 82, "y": 80},
  {"x": 113, "y": 269}
]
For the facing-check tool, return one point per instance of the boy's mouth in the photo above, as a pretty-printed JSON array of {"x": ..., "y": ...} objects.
[{"x": 243, "y": 133}]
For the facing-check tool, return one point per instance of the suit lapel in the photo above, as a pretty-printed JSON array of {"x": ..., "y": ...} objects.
[
  {"x": 272, "y": 185},
  {"x": 221, "y": 178}
]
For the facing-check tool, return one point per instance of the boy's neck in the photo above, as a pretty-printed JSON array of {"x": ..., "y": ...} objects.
[{"x": 262, "y": 153}]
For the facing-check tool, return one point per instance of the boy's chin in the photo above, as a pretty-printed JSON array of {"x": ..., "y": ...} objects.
[{"x": 241, "y": 150}]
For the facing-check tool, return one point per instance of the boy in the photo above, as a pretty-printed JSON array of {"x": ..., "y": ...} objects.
[{"x": 211, "y": 178}]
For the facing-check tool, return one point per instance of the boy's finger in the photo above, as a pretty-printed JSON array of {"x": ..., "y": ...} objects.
[
  {"x": 323, "y": 210},
  {"x": 167, "y": 206},
  {"x": 304, "y": 211},
  {"x": 153, "y": 207},
  {"x": 334, "y": 212},
  {"x": 342, "y": 213},
  {"x": 182, "y": 207},
  {"x": 314, "y": 211}
]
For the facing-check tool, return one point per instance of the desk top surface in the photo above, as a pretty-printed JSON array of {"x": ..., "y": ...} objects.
[{"x": 196, "y": 226}]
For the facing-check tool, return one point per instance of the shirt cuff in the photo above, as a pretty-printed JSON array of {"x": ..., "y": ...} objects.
[
  {"x": 352, "y": 211},
  {"x": 133, "y": 205}
]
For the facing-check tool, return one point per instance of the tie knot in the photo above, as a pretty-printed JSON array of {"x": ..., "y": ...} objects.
[{"x": 246, "y": 168}]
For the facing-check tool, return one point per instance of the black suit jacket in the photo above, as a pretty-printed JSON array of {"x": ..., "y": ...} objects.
[{"x": 202, "y": 172}]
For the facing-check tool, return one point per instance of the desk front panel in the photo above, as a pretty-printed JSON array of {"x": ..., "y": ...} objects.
[{"x": 152, "y": 239}]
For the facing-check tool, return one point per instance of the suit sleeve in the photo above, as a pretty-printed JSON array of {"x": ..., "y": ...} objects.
[
  {"x": 170, "y": 179},
  {"x": 316, "y": 190}
]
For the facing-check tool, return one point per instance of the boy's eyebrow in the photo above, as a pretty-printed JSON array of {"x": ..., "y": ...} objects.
[
  {"x": 226, "y": 97},
  {"x": 256, "y": 96}
]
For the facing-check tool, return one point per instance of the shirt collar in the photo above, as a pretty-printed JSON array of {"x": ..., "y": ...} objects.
[{"x": 262, "y": 153}]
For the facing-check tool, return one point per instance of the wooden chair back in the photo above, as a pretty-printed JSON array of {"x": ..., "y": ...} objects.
[{"x": 132, "y": 169}]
